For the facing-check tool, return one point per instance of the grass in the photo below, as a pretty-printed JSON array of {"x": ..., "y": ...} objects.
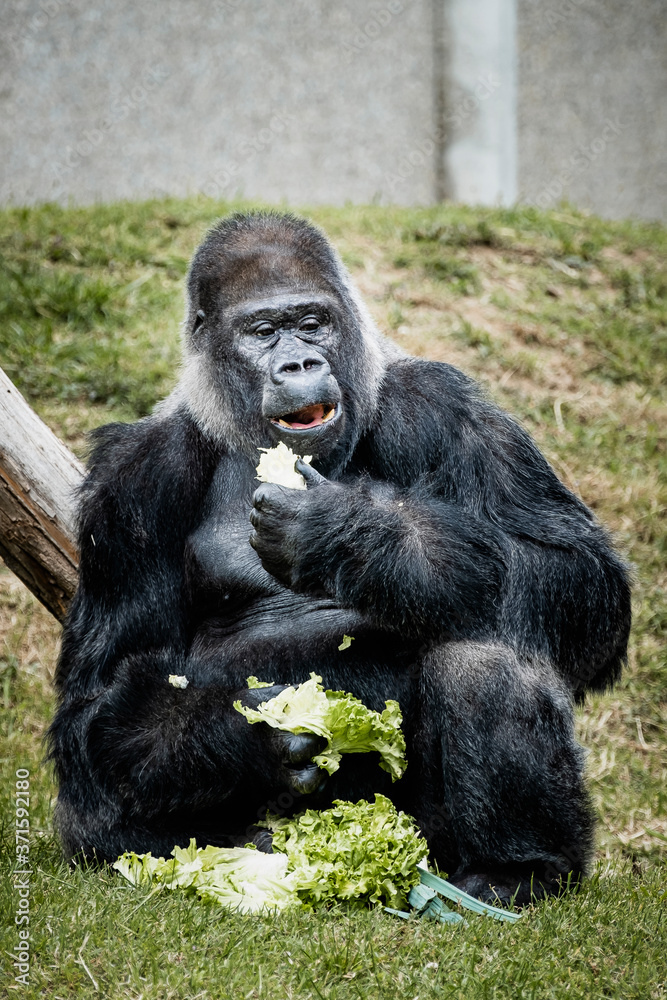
[{"x": 563, "y": 317}]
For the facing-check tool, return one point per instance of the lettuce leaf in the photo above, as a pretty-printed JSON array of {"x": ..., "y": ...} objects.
[
  {"x": 303, "y": 709},
  {"x": 239, "y": 878},
  {"x": 138, "y": 869},
  {"x": 365, "y": 851},
  {"x": 356, "y": 729},
  {"x": 343, "y": 720}
]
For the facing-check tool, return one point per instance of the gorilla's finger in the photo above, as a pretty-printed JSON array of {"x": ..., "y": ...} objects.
[
  {"x": 311, "y": 475},
  {"x": 267, "y": 495},
  {"x": 300, "y": 748},
  {"x": 253, "y": 539},
  {"x": 255, "y": 518},
  {"x": 263, "y": 841},
  {"x": 307, "y": 780}
]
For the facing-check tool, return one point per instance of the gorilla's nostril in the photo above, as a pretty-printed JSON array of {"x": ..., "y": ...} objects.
[{"x": 294, "y": 367}]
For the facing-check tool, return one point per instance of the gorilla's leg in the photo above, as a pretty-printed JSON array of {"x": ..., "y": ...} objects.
[
  {"x": 501, "y": 797},
  {"x": 102, "y": 833}
]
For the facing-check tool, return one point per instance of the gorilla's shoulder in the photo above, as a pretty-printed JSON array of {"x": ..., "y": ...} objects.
[
  {"x": 163, "y": 459},
  {"x": 429, "y": 398},
  {"x": 417, "y": 382},
  {"x": 163, "y": 443},
  {"x": 430, "y": 415}
]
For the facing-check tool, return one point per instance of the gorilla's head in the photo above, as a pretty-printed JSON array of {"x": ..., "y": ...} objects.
[{"x": 278, "y": 344}]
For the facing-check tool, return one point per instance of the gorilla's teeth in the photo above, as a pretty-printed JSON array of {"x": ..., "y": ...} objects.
[{"x": 314, "y": 420}]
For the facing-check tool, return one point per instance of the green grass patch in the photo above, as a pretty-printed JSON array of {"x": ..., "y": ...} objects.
[{"x": 562, "y": 317}]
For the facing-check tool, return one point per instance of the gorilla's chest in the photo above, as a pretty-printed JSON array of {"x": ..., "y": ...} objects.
[
  {"x": 245, "y": 622},
  {"x": 242, "y": 615},
  {"x": 219, "y": 558}
]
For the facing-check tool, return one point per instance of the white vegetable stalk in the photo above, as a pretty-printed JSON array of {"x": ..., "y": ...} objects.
[{"x": 276, "y": 465}]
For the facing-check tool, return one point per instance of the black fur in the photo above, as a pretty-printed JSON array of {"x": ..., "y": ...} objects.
[{"x": 481, "y": 593}]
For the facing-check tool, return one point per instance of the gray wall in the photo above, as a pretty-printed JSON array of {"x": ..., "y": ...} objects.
[
  {"x": 402, "y": 101},
  {"x": 481, "y": 93},
  {"x": 306, "y": 100},
  {"x": 592, "y": 112}
]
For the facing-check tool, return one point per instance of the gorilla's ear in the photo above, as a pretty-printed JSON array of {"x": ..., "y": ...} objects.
[
  {"x": 199, "y": 319},
  {"x": 194, "y": 336}
]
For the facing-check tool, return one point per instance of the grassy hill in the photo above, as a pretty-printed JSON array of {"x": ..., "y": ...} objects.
[{"x": 563, "y": 318}]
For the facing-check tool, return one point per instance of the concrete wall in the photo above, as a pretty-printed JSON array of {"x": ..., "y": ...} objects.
[
  {"x": 592, "y": 114},
  {"x": 404, "y": 101},
  {"x": 305, "y": 100}
]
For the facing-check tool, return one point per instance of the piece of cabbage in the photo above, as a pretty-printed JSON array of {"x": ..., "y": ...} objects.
[{"x": 343, "y": 720}]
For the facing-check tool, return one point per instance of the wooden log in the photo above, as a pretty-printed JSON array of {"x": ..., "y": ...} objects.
[{"x": 38, "y": 480}]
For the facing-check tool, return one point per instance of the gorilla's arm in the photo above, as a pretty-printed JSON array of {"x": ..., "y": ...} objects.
[
  {"x": 156, "y": 748},
  {"x": 121, "y": 726},
  {"x": 401, "y": 556},
  {"x": 461, "y": 529}
]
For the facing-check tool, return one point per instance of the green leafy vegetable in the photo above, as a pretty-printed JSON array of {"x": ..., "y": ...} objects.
[
  {"x": 353, "y": 728},
  {"x": 343, "y": 720},
  {"x": 252, "y": 682},
  {"x": 367, "y": 852},
  {"x": 239, "y": 878},
  {"x": 347, "y": 642}
]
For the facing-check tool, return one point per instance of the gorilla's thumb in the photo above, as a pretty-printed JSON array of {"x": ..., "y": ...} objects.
[{"x": 312, "y": 477}]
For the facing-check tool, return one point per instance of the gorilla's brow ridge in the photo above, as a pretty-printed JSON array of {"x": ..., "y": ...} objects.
[{"x": 287, "y": 307}]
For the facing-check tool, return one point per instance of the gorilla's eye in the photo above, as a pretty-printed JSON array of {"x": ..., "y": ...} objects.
[
  {"x": 199, "y": 319},
  {"x": 310, "y": 324},
  {"x": 263, "y": 330}
]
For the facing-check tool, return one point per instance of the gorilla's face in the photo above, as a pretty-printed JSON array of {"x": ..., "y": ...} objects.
[
  {"x": 290, "y": 341},
  {"x": 277, "y": 347}
]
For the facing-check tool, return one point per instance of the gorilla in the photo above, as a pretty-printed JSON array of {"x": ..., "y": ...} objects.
[{"x": 481, "y": 593}]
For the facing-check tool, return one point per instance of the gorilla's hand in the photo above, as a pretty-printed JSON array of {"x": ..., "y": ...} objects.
[
  {"x": 277, "y": 516},
  {"x": 286, "y": 758}
]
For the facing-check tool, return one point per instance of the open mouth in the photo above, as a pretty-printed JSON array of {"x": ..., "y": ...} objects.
[{"x": 310, "y": 416}]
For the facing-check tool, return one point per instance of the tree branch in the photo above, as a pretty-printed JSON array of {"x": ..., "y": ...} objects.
[{"x": 38, "y": 481}]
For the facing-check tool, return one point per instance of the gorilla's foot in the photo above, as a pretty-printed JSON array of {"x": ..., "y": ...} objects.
[{"x": 509, "y": 886}]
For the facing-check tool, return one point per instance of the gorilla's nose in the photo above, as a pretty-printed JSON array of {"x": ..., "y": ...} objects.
[
  {"x": 287, "y": 368},
  {"x": 299, "y": 377}
]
